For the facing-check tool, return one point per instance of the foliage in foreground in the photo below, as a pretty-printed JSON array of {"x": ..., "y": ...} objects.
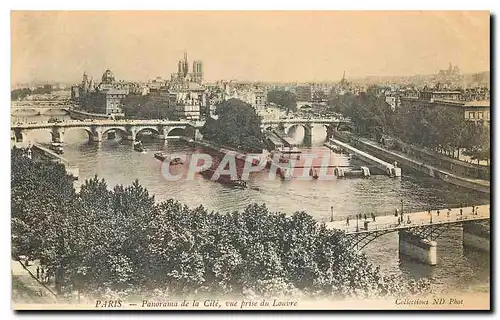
[{"x": 99, "y": 241}]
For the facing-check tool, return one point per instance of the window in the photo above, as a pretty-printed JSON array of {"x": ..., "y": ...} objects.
[
  {"x": 480, "y": 115},
  {"x": 472, "y": 115},
  {"x": 488, "y": 115}
]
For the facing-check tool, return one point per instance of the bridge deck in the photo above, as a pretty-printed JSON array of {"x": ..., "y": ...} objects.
[{"x": 390, "y": 222}]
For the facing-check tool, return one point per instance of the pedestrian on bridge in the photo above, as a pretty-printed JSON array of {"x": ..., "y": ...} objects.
[
  {"x": 347, "y": 220},
  {"x": 373, "y": 217},
  {"x": 461, "y": 211},
  {"x": 473, "y": 207},
  {"x": 365, "y": 217},
  {"x": 438, "y": 213},
  {"x": 449, "y": 212}
]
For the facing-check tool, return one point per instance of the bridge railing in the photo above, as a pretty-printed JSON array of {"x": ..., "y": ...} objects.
[
  {"x": 104, "y": 122},
  {"x": 413, "y": 224},
  {"x": 304, "y": 120}
]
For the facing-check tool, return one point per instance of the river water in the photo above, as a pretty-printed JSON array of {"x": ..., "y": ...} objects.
[{"x": 457, "y": 268}]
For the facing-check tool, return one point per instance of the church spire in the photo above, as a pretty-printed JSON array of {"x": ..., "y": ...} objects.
[
  {"x": 343, "y": 78},
  {"x": 185, "y": 68}
]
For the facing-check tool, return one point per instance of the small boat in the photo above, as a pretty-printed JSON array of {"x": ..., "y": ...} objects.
[
  {"x": 139, "y": 147},
  {"x": 160, "y": 156},
  {"x": 176, "y": 161}
]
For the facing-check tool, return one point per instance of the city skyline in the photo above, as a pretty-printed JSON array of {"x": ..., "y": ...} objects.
[{"x": 248, "y": 46}]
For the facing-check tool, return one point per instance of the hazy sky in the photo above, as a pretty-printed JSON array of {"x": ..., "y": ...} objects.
[{"x": 268, "y": 46}]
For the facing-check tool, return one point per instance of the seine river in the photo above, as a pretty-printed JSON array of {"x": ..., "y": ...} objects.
[{"x": 457, "y": 268}]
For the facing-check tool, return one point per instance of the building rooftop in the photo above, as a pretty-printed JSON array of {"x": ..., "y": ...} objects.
[
  {"x": 481, "y": 103},
  {"x": 115, "y": 91}
]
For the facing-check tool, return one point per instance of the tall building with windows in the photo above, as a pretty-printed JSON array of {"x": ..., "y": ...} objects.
[
  {"x": 103, "y": 98},
  {"x": 431, "y": 97}
]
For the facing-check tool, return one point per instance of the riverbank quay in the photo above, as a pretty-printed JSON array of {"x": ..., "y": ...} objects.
[
  {"x": 389, "y": 169},
  {"x": 82, "y": 115},
  {"x": 455, "y": 166},
  {"x": 407, "y": 161},
  {"x": 27, "y": 288},
  {"x": 39, "y": 151}
]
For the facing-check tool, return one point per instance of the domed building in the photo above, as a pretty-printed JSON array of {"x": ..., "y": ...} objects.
[
  {"x": 104, "y": 98},
  {"x": 108, "y": 77}
]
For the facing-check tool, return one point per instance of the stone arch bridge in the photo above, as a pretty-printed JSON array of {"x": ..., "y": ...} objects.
[
  {"x": 98, "y": 129},
  {"x": 285, "y": 125},
  {"x": 129, "y": 129},
  {"x": 32, "y": 108}
]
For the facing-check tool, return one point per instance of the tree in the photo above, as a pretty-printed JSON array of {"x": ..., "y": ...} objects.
[
  {"x": 370, "y": 113},
  {"x": 18, "y": 94},
  {"x": 477, "y": 140},
  {"x": 119, "y": 242},
  {"x": 285, "y": 100},
  {"x": 237, "y": 126}
]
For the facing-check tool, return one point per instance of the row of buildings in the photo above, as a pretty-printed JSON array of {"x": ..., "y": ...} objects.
[
  {"x": 184, "y": 92},
  {"x": 190, "y": 97},
  {"x": 473, "y": 104}
]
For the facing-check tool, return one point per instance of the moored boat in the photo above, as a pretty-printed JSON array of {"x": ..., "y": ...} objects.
[
  {"x": 139, "y": 147},
  {"x": 160, "y": 156},
  {"x": 224, "y": 179},
  {"x": 176, "y": 161}
]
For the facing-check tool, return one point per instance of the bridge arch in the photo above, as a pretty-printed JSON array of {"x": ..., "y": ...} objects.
[
  {"x": 36, "y": 134},
  {"x": 76, "y": 129},
  {"x": 123, "y": 132},
  {"x": 176, "y": 132},
  {"x": 146, "y": 129},
  {"x": 296, "y": 131},
  {"x": 432, "y": 232},
  {"x": 54, "y": 112},
  {"x": 24, "y": 112}
]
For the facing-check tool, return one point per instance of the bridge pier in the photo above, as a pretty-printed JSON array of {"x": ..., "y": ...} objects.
[
  {"x": 57, "y": 135},
  {"x": 96, "y": 134},
  {"x": 476, "y": 235},
  {"x": 308, "y": 135},
  {"x": 161, "y": 135},
  {"x": 131, "y": 133},
  {"x": 329, "y": 131},
  {"x": 418, "y": 248}
]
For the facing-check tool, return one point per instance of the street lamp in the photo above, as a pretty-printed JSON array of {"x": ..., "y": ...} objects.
[
  {"x": 401, "y": 206},
  {"x": 331, "y": 217}
]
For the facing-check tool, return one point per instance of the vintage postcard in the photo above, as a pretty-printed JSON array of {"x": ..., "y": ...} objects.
[{"x": 250, "y": 160}]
